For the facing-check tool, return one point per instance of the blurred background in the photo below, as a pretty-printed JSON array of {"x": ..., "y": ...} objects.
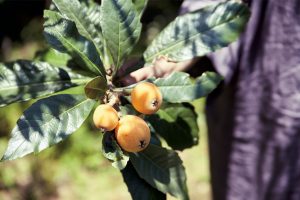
[{"x": 75, "y": 169}]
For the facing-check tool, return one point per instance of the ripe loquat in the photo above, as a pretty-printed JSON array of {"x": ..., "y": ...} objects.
[
  {"x": 132, "y": 133},
  {"x": 105, "y": 117},
  {"x": 146, "y": 98}
]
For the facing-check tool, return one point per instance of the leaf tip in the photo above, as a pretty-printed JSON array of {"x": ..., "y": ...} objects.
[{"x": 4, "y": 158}]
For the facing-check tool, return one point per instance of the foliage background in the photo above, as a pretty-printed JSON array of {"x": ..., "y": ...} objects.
[{"x": 75, "y": 169}]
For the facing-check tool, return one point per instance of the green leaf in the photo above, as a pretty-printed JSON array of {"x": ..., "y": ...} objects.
[
  {"x": 200, "y": 32},
  {"x": 128, "y": 110},
  {"x": 24, "y": 80},
  {"x": 87, "y": 20},
  {"x": 177, "y": 124},
  {"x": 140, "y": 6},
  {"x": 154, "y": 138},
  {"x": 63, "y": 36},
  {"x": 121, "y": 27},
  {"x": 47, "y": 122},
  {"x": 162, "y": 169},
  {"x": 139, "y": 189},
  {"x": 179, "y": 87},
  {"x": 53, "y": 57},
  {"x": 113, "y": 152},
  {"x": 96, "y": 88}
]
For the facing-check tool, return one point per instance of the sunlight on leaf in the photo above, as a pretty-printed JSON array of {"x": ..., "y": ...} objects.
[
  {"x": 23, "y": 80},
  {"x": 121, "y": 28},
  {"x": 163, "y": 169},
  {"x": 47, "y": 122},
  {"x": 179, "y": 87},
  {"x": 200, "y": 32}
]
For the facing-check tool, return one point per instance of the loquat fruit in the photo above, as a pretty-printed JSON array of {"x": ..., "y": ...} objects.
[
  {"x": 146, "y": 98},
  {"x": 132, "y": 133},
  {"x": 105, "y": 117}
]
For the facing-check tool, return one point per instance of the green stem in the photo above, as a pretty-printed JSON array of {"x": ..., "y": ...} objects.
[{"x": 125, "y": 91}]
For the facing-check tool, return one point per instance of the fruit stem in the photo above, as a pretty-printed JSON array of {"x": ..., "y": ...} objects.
[
  {"x": 109, "y": 78},
  {"x": 113, "y": 99},
  {"x": 123, "y": 91}
]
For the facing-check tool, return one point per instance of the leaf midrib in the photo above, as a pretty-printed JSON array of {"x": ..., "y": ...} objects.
[
  {"x": 83, "y": 56},
  {"x": 83, "y": 27},
  {"x": 161, "y": 169},
  {"x": 46, "y": 123},
  {"x": 77, "y": 20},
  {"x": 46, "y": 83},
  {"x": 150, "y": 160},
  {"x": 179, "y": 42},
  {"x": 188, "y": 85},
  {"x": 95, "y": 88}
]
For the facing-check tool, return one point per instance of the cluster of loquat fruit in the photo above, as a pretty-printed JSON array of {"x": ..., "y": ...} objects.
[{"x": 131, "y": 132}]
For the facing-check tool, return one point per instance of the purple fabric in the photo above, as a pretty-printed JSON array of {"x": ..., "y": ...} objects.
[{"x": 254, "y": 117}]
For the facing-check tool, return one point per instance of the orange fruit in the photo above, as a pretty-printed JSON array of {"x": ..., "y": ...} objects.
[
  {"x": 105, "y": 117},
  {"x": 132, "y": 133},
  {"x": 146, "y": 98}
]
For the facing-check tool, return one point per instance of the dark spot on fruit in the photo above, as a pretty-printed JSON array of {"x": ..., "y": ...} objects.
[
  {"x": 154, "y": 103},
  {"x": 142, "y": 144}
]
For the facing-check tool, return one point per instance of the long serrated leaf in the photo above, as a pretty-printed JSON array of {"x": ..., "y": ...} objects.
[
  {"x": 121, "y": 28},
  {"x": 47, "y": 122},
  {"x": 24, "y": 80},
  {"x": 200, "y": 32},
  {"x": 177, "y": 124},
  {"x": 87, "y": 20},
  {"x": 162, "y": 169},
  {"x": 179, "y": 87},
  {"x": 63, "y": 36},
  {"x": 139, "y": 189}
]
